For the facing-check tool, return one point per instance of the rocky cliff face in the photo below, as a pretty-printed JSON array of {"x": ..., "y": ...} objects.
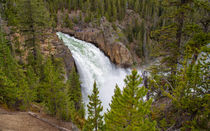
[
  {"x": 49, "y": 45},
  {"x": 64, "y": 53},
  {"x": 52, "y": 45},
  {"x": 116, "y": 51},
  {"x": 101, "y": 35}
]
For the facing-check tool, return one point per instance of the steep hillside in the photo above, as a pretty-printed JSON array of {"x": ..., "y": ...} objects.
[
  {"x": 24, "y": 121},
  {"x": 111, "y": 37},
  {"x": 36, "y": 67}
]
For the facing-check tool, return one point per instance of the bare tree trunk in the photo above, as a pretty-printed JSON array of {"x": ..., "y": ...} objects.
[{"x": 46, "y": 121}]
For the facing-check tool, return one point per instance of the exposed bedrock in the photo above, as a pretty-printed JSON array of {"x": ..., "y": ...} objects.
[{"x": 116, "y": 51}]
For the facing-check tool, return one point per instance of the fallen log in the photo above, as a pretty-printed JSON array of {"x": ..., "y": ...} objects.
[{"x": 46, "y": 121}]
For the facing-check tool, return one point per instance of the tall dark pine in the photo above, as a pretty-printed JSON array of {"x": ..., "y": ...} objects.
[
  {"x": 94, "y": 121},
  {"x": 171, "y": 34},
  {"x": 8, "y": 71},
  {"x": 32, "y": 18},
  {"x": 74, "y": 89}
]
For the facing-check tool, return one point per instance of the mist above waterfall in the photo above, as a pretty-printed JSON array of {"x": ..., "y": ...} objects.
[{"x": 93, "y": 65}]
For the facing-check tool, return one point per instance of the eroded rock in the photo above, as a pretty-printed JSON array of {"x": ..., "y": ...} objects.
[
  {"x": 64, "y": 53},
  {"x": 116, "y": 51}
]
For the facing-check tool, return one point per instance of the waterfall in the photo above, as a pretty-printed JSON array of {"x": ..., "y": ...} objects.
[{"x": 93, "y": 65}]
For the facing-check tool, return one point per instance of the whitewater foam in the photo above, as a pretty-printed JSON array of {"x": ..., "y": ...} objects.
[{"x": 93, "y": 65}]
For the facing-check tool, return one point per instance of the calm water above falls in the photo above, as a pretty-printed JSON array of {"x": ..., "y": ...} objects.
[{"x": 92, "y": 65}]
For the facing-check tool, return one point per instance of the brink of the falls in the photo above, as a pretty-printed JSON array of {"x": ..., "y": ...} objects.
[{"x": 93, "y": 65}]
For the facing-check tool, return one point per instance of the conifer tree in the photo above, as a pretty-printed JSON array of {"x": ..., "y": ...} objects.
[
  {"x": 94, "y": 121},
  {"x": 32, "y": 19},
  {"x": 170, "y": 37},
  {"x": 128, "y": 110},
  {"x": 8, "y": 92},
  {"x": 188, "y": 88},
  {"x": 52, "y": 88},
  {"x": 68, "y": 22},
  {"x": 190, "y": 96},
  {"x": 28, "y": 84},
  {"x": 24, "y": 93},
  {"x": 75, "y": 97},
  {"x": 8, "y": 73},
  {"x": 136, "y": 6},
  {"x": 14, "y": 85},
  {"x": 114, "y": 11},
  {"x": 140, "y": 45},
  {"x": 74, "y": 89}
]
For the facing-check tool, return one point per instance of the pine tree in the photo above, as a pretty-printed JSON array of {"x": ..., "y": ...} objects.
[
  {"x": 171, "y": 36},
  {"x": 8, "y": 73},
  {"x": 94, "y": 121},
  {"x": 24, "y": 93},
  {"x": 32, "y": 21},
  {"x": 136, "y": 6},
  {"x": 75, "y": 98},
  {"x": 140, "y": 45},
  {"x": 52, "y": 88},
  {"x": 74, "y": 89},
  {"x": 34, "y": 18},
  {"x": 15, "y": 88},
  {"x": 129, "y": 111},
  {"x": 188, "y": 88},
  {"x": 190, "y": 96},
  {"x": 114, "y": 11},
  {"x": 8, "y": 92},
  {"x": 28, "y": 84},
  {"x": 68, "y": 22}
]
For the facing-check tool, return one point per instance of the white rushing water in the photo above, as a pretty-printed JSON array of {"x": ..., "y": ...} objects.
[{"x": 92, "y": 66}]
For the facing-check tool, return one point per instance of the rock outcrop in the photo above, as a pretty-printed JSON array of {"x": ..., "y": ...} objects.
[
  {"x": 52, "y": 45},
  {"x": 110, "y": 37},
  {"x": 116, "y": 51},
  {"x": 64, "y": 53}
]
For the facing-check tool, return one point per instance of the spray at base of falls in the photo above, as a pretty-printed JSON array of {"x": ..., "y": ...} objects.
[{"x": 92, "y": 66}]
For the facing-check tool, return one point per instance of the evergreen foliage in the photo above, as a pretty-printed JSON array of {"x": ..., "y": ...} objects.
[
  {"x": 75, "y": 98},
  {"x": 52, "y": 87},
  {"x": 68, "y": 22},
  {"x": 189, "y": 95},
  {"x": 8, "y": 70},
  {"x": 74, "y": 89},
  {"x": 178, "y": 30},
  {"x": 23, "y": 84},
  {"x": 95, "y": 119},
  {"x": 186, "y": 41},
  {"x": 129, "y": 111}
]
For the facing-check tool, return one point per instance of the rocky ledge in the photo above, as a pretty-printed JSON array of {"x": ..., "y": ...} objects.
[
  {"x": 116, "y": 51},
  {"x": 64, "y": 53},
  {"x": 52, "y": 45}
]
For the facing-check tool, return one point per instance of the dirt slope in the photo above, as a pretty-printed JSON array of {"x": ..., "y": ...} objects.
[{"x": 22, "y": 121}]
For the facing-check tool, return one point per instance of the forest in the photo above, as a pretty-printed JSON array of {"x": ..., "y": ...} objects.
[{"x": 174, "y": 96}]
